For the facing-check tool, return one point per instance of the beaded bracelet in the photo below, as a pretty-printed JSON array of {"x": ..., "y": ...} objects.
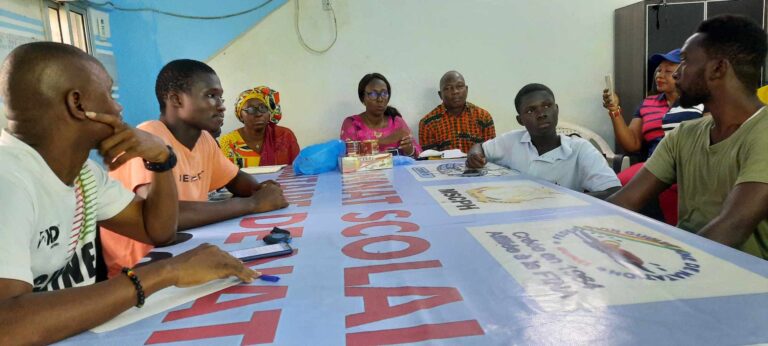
[{"x": 139, "y": 290}]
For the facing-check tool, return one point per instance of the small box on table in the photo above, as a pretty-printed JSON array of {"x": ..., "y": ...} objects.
[{"x": 349, "y": 164}]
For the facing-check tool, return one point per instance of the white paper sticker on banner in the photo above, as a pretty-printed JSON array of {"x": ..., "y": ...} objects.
[
  {"x": 588, "y": 263},
  {"x": 494, "y": 197}
]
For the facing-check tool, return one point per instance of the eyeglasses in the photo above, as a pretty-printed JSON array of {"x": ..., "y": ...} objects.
[
  {"x": 373, "y": 95},
  {"x": 261, "y": 109}
]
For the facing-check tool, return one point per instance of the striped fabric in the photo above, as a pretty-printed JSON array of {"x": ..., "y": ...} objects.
[
  {"x": 678, "y": 114},
  {"x": 651, "y": 112}
]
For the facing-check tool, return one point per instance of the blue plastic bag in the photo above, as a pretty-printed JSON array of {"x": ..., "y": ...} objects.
[
  {"x": 402, "y": 160},
  {"x": 319, "y": 158}
]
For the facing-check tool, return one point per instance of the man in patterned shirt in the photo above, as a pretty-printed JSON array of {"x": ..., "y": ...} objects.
[{"x": 456, "y": 123}]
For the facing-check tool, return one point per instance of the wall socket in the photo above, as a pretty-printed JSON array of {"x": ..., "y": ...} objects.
[{"x": 326, "y": 5}]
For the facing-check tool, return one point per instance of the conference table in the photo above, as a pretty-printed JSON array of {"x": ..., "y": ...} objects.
[{"x": 424, "y": 253}]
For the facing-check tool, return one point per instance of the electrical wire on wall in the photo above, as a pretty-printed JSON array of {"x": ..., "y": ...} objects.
[
  {"x": 179, "y": 15},
  {"x": 301, "y": 38}
]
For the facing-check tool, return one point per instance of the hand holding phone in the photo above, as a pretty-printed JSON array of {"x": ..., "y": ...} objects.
[
  {"x": 609, "y": 83},
  {"x": 610, "y": 99}
]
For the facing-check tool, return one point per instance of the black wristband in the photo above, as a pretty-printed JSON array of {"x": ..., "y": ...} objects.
[
  {"x": 136, "y": 283},
  {"x": 164, "y": 166}
]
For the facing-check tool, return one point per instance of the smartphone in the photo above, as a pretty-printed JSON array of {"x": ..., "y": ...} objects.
[
  {"x": 609, "y": 83},
  {"x": 472, "y": 172},
  {"x": 273, "y": 250}
]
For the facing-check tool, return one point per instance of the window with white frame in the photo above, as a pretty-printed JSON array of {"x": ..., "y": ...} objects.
[{"x": 68, "y": 24}]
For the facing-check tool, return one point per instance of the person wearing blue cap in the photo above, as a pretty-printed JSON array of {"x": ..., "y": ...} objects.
[
  {"x": 657, "y": 115},
  {"x": 645, "y": 130},
  {"x": 720, "y": 161}
]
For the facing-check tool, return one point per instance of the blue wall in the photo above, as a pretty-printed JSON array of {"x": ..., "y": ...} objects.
[{"x": 145, "y": 41}]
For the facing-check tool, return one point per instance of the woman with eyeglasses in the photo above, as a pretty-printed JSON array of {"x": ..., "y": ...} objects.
[
  {"x": 379, "y": 121},
  {"x": 260, "y": 142}
]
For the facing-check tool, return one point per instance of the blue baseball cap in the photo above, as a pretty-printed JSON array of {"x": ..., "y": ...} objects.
[{"x": 673, "y": 56}]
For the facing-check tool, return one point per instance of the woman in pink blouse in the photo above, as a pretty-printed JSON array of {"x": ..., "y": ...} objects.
[{"x": 379, "y": 121}]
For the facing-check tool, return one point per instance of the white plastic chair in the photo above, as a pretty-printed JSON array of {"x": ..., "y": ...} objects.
[{"x": 618, "y": 162}]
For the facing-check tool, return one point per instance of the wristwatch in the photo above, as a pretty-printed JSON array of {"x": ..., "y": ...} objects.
[{"x": 160, "y": 167}]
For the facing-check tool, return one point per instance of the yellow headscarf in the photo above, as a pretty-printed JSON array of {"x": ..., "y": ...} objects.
[
  {"x": 762, "y": 93},
  {"x": 267, "y": 96}
]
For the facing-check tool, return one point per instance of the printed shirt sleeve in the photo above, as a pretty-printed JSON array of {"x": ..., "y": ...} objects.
[
  {"x": 427, "y": 135},
  {"x": 112, "y": 196},
  {"x": 424, "y": 134},
  {"x": 222, "y": 170},
  {"x": 225, "y": 143},
  {"x": 595, "y": 173},
  {"x": 16, "y": 230},
  {"x": 489, "y": 132},
  {"x": 662, "y": 163}
]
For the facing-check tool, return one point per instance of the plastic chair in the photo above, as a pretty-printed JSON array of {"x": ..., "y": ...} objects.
[{"x": 618, "y": 162}]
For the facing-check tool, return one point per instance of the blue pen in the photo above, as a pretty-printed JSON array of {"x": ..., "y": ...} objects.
[{"x": 270, "y": 278}]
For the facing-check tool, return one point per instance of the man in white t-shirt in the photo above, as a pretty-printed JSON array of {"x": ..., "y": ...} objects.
[
  {"x": 540, "y": 152},
  {"x": 59, "y": 107}
]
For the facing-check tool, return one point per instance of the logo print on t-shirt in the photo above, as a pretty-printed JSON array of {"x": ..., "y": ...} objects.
[
  {"x": 49, "y": 236},
  {"x": 188, "y": 178}
]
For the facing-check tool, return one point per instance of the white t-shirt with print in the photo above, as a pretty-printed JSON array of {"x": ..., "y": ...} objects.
[
  {"x": 48, "y": 229},
  {"x": 575, "y": 164}
]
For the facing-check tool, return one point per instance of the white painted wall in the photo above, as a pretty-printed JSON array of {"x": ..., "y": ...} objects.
[
  {"x": 26, "y": 8},
  {"x": 499, "y": 46}
]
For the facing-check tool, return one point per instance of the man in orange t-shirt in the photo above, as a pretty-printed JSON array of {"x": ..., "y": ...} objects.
[{"x": 189, "y": 93}]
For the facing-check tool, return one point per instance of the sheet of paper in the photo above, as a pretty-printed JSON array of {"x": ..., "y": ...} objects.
[
  {"x": 430, "y": 153},
  {"x": 262, "y": 169},
  {"x": 453, "y": 154},
  {"x": 163, "y": 300}
]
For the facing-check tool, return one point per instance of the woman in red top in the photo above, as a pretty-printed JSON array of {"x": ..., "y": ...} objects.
[{"x": 260, "y": 142}]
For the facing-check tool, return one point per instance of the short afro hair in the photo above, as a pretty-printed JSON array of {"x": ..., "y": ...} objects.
[
  {"x": 177, "y": 76},
  {"x": 741, "y": 41},
  {"x": 529, "y": 89}
]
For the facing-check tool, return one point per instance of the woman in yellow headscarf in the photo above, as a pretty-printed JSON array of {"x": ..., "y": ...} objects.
[
  {"x": 762, "y": 94},
  {"x": 260, "y": 142}
]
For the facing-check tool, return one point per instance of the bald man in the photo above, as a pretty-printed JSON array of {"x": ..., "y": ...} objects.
[
  {"x": 59, "y": 107},
  {"x": 456, "y": 123}
]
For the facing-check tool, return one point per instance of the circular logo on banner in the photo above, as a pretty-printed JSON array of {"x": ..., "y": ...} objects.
[
  {"x": 626, "y": 254},
  {"x": 510, "y": 194},
  {"x": 458, "y": 169}
]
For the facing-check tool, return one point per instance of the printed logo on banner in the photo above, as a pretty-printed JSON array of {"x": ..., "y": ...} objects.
[
  {"x": 566, "y": 265},
  {"x": 455, "y": 170},
  {"x": 494, "y": 197}
]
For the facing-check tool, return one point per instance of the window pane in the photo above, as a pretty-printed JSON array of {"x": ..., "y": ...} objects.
[
  {"x": 77, "y": 22},
  {"x": 53, "y": 19},
  {"x": 64, "y": 28}
]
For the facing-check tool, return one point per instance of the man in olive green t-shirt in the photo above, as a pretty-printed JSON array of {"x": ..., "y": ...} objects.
[{"x": 720, "y": 163}]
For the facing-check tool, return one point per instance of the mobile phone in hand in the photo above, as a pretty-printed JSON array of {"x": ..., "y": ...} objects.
[
  {"x": 251, "y": 254},
  {"x": 609, "y": 83}
]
